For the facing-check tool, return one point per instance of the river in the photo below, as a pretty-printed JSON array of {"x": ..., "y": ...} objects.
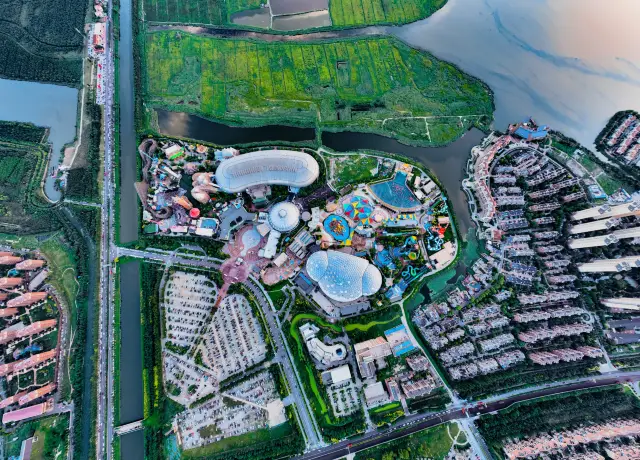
[
  {"x": 52, "y": 106},
  {"x": 131, "y": 393},
  {"x": 128, "y": 149},
  {"x": 569, "y": 64}
]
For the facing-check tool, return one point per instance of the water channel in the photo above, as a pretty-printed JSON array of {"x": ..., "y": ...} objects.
[
  {"x": 52, "y": 106},
  {"x": 182, "y": 124},
  {"x": 128, "y": 151},
  {"x": 131, "y": 392}
]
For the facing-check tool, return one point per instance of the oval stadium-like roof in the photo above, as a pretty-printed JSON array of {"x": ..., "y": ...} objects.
[
  {"x": 273, "y": 167},
  {"x": 284, "y": 216},
  {"x": 343, "y": 277}
]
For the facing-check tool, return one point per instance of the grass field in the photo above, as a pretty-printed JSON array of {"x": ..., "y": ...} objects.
[
  {"x": 236, "y": 442},
  {"x": 433, "y": 443},
  {"x": 353, "y": 170},
  {"x": 362, "y": 12},
  {"x": 349, "y": 84},
  {"x": 372, "y": 325}
]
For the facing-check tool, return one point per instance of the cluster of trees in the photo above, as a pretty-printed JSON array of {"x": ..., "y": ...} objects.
[
  {"x": 82, "y": 183},
  {"x": 435, "y": 401},
  {"x": 520, "y": 376},
  {"x": 25, "y": 132},
  {"x": 17, "y": 64},
  {"x": 50, "y": 23},
  {"x": 156, "y": 402},
  {"x": 559, "y": 412}
]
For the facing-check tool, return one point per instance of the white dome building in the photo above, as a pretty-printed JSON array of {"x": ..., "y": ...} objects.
[
  {"x": 343, "y": 277},
  {"x": 284, "y": 217}
]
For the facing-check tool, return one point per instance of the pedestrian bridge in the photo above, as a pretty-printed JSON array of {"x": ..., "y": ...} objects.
[{"x": 128, "y": 428}]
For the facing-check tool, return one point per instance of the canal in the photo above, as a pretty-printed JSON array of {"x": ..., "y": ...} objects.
[
  {"x": 180, "y": 124},
  {"x": 131, "y": 392},
  {"x": 52, "y": 106},
  {"x": 128, "y": 149}
]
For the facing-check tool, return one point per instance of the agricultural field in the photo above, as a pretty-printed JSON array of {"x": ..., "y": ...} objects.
[
  {"x": 40, "y": 41},
  {"x": 353, "y": 13},
  {"x": 344, "y": 13},
  {"x": 192, "y": 12},
  {"x": 360, "y": 85}
]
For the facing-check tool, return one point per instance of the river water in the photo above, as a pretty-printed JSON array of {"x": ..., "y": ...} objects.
[
  {"x": 52, "y": 106},
  {"x": 128, "y": 149},
  {"x": 570, "y": 64}
]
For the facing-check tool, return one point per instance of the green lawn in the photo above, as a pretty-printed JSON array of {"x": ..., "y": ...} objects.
[
  {"x": 236, "y": 442},
  {"x": 372, "y": 325},
  {"x": 354, "y": 169},
  {"x": 365, "y": 81},
  {"x": 433, "y": 443},
  {"x": 608, "y": 184},
  {"x": 278, "y": 298}
]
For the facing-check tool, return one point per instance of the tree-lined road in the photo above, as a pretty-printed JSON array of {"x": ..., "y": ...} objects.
[{"x": 418, "y": 423}]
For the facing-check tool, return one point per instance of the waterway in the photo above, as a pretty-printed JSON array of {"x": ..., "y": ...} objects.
[
  {"x": 131, "y": 395},
  {"x": 132, "y": 446},
  {"x": 569, "y": 64},
  {"x": 52, "y": 106},
  {"x": 128, "y": 148},
  {"x": 182, "y": 124}
]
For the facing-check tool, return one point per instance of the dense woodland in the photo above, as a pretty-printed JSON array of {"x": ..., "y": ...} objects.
[
  {"x": 42, "y": 40},
  {"x": 22, "y": 132},
  {"x": 82, "y": 183}
]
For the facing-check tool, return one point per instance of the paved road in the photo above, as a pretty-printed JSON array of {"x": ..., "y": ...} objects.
[
  {"x": 421, "y": 422},
  {"x": 309, "y": 426},
  {"x": 105, "y": 387}
]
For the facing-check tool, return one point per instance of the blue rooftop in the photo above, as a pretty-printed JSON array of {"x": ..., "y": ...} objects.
[{"x": 402, "y": 348}]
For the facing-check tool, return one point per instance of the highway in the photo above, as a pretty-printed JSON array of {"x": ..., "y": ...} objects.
[
  {"x": 105, "y": 389},
  {"x": 418, "y": 423}
]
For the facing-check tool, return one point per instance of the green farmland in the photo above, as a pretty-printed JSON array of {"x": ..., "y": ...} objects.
[
  {"x": 215, "y": 12},
  {"x": 344, "y": 13},
  {"x": 363, "y": 12},
  {"x": 369, "y": 85}
]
